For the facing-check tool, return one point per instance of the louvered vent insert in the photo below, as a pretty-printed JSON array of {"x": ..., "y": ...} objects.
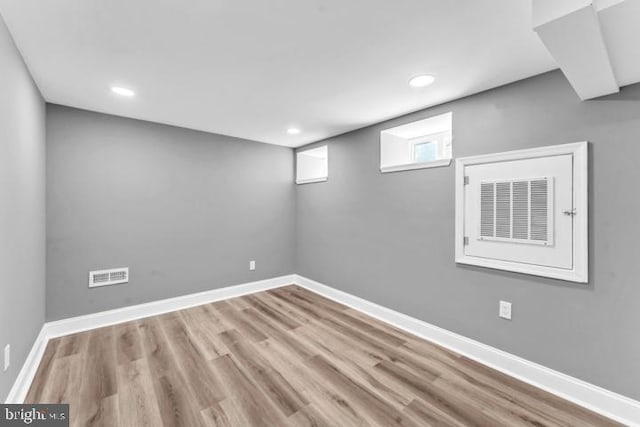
[
  {"x": 108, "y": 277},
  {"x": 517, "y": 211}
]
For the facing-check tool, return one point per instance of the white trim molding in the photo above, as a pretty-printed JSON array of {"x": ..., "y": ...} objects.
[
  {"x": 597, "y": 399},
  {"x": 580, "y": 270},
  {"x": 592, "y": 397},
  {"x": 27, "y": 373},
  {"x": 311, "y": 180},
  {"x": 111, "y": 317},
  {"x": 414, "y": 166}
]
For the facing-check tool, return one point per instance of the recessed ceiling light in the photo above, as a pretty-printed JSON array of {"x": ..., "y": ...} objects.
[
  {"x": 123, "y": 91},
  {"x": 293, "y": 131},
  {"x": 422, "y": 80}
]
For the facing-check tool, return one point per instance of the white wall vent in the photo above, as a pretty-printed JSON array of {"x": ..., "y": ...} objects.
[
  {"x": 113, "y": 276},
  {"x": 525, "y": 211},
  {"x": 519, "y": 211}
]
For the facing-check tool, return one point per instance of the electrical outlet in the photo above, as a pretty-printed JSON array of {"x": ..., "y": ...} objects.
[
  {"x": 7, "y": 356},
  {"x": 505, "y": 310},
  {"x": 252, "y": 265}
]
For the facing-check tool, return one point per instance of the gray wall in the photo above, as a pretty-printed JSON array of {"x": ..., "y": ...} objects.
[
  {"x": 389, "y": 237},
  {"x": 185, "y": 210},
  {"x": 22, "y": 209}
]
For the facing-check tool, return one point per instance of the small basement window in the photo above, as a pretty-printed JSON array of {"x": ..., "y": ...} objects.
[
  {"x": 423, "y": 144},
  {"x": 312, "y": 165}
]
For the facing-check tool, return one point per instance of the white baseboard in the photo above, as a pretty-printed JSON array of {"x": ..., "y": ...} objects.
[
  {"x": 22, "y": 383},
  {"x": 73, "y": 325},
  {"x": 597, "y": 399},
  {"x": 111, "y": 317}
]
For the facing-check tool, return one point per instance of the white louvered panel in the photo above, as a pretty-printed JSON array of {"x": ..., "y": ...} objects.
[
  {"x": 516, "y": 211},
  {"x": 520, "y": 210},
  {"x": 487, "y": 207},
  {"x": 100, "y": 277},
  {"x": 108, "y": 277},
  {"x": 503, "y": 210},
  {"x": 539, "y": 210},
  {"x": 117, "y": 275}
]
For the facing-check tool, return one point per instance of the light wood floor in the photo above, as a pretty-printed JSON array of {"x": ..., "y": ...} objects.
[{"x": 285, "y": 357}]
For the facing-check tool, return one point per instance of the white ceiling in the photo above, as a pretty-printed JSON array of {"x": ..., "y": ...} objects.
[{"x": 252, "y": 69}]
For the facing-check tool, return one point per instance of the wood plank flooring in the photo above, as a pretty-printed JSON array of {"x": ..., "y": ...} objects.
[{"x": 285, "y": 357}]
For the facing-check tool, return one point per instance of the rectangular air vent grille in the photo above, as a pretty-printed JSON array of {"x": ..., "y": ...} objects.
[
  {"x": 108, "y": 277},
  {"x": 518, "y": 210}
]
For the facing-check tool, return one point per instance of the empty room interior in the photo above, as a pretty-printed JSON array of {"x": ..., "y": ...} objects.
[{"x": 319, "y": 213}]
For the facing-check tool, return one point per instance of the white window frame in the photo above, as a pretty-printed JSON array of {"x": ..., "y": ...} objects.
[
  {"x": 312, "y": 180},
  {"x": 440, "y": 139},
  {"x": 580, "y": 271}
]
